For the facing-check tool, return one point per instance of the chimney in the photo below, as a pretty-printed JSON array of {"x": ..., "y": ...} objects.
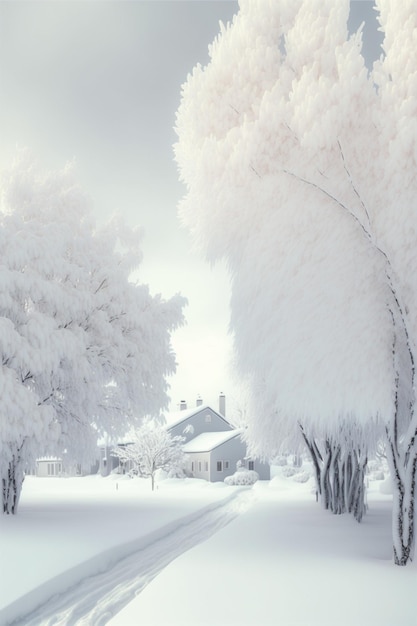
[
  {"x": 199, "y": 401},
  {"x": 183, "y": 405},
  {"x": 222, "y": 404}
]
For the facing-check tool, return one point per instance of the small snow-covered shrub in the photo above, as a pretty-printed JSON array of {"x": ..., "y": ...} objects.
[
  {"x": 301, "y": 477},
  {"x": 289, "y": 471},
  {"x": 242, "y": 477},
  {"x": 176, "y": 472}
]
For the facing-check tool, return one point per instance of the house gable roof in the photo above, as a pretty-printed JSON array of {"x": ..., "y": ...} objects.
[
  {"x": 177, "y": 417},
  {"x": 206, "y": 442}
]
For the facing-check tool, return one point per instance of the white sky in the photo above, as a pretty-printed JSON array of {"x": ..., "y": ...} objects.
[{"x": 99, "y": 81}]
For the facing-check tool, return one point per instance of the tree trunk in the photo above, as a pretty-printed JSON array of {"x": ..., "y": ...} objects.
[
  {"x": 356, "y": 503},
  {"x": 325, "y": 487},
  {"x": 316, "y": 458},
  {"x": 337, "y": 503},
  {"x": 340, "y": 477},
  {"x": 403, "y": 466},
  {"x": 12, "y": 483}
]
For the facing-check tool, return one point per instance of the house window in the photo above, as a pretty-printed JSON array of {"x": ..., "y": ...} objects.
[
  {"x": 199, "y": 466},
  {"x": 54, "y": 469},
  {"x": 206, "y": 466},
  {"x": 192, "y": 466},
  {"x": 226, "y": 465},
  {"x": 207, "y": 417},
  {"x": 219, "y": 466},
  {"x": 251, "y": 465}
]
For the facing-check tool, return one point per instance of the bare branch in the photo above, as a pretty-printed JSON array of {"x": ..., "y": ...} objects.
[
  {"x": 26, "y": 377},
  {"x": 353, "y": 184},
  {"x": 101, "y": 285},
  {"x": 254, "y": 170},
  {"x": 394, "y": 443},
  {"x": 332, "y": 197}
]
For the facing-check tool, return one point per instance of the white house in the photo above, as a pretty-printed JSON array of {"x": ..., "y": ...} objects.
[
  {"x": 48, "y": 466},
  {"x": 212, "y": 455},
  {"x": 192, "y": 422},
  {"x": 54, "y": 466},
  {"x": 213, "y": 445}
]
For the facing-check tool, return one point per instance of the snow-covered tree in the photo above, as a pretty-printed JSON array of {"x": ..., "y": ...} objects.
[
  {"x": 152, "y": 448},
  {"x": 300, "y": 168},
  {"x": 340, "y": 464},
  {"x": 83, "y": 348}
]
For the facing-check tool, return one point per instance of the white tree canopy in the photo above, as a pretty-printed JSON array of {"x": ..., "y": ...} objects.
[
  {"x": 84, "y": 349},
  {"x": 300, "y": 172},
  {"x": 152, "y": 448}
]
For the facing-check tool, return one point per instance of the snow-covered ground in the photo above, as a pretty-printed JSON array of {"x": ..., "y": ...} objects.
[
  {"x": 197, "y": 554},
  {"x": 285, "y": 562},
  {"x": 70, "y": 529}
]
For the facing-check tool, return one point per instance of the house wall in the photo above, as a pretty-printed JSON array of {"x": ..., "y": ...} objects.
[
  {"x": 104, "y": 465},
  {"x": 55, "y": 467},
  {"x": 263, "y": 469},
  {"x": 198, "y": 465},
  {"x": 205, "y": 421},
  {"x": 48, "y": 467},
  {"x": 107, "y": 463},
  {"x": 229, "y": 452}
]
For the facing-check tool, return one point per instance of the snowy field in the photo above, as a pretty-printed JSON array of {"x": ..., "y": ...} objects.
[{"x": 98, "y": 551}]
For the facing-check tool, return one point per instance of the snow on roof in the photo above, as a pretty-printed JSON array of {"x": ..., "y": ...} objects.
[
  {"x": 176, "y": 417},
  {"x": 208, "y": 441}
]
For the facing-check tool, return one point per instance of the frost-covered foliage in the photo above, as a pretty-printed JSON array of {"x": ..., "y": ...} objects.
[
  {"x": 300, "y": 168},
  {"x": 152, "y": 448},
  {"x": 257, "y": 120},
  {"x": 83, "y": 348},
  {"x": 301, "y": 477},
  {"x": 293, "y": 467},
  {"x": 377, "y": 469},
  {"x": 297, "y": 473},
  {"x": 288, "y": 471},
  {"x": 242, "y": 476}
]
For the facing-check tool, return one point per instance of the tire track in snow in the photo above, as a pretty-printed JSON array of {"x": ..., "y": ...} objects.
[{"x": 95, "y": 600}]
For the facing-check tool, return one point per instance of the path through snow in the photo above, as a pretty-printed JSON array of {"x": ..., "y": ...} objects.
[{"x": 96, "y": 599}]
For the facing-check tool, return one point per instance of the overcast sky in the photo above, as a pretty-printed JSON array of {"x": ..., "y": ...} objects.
[{"x": 100, "y": 82}]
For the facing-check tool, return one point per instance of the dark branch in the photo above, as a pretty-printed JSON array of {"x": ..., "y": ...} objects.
[{"x": 353, "y": 184}]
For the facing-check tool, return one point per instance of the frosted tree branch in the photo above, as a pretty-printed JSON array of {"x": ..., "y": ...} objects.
[
  {"x": 388, "y": 266},
  {"x": 354, "y": 187}
]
